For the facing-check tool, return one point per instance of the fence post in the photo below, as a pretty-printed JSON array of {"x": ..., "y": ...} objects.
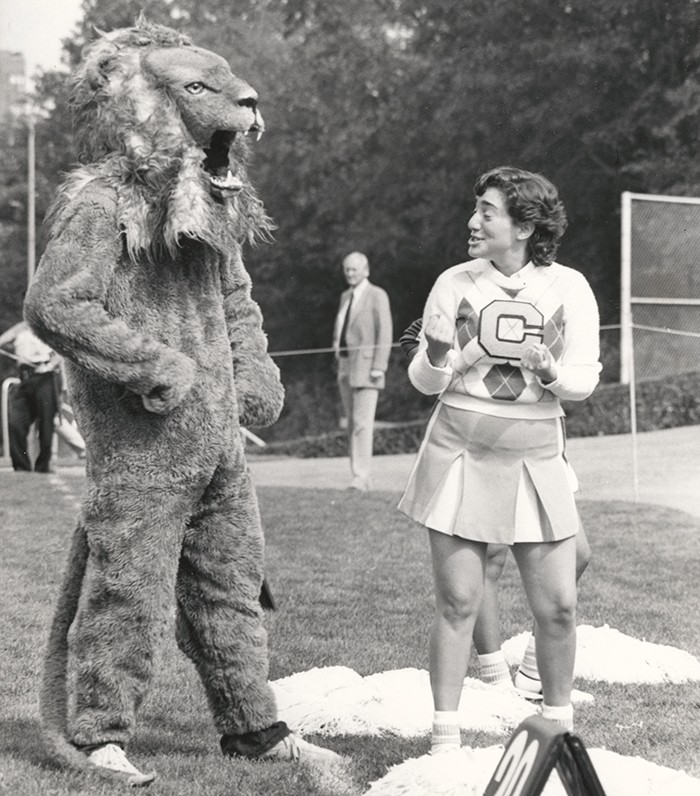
[{"x": 626, "y": 289}]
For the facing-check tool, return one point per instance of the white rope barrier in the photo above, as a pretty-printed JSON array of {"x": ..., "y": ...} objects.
[
  {"x": 666, "y": 330},
  {"x": 330, "y": 350}
]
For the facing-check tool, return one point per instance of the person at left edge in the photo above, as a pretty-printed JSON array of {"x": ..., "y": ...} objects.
[
  {"x": 35, "y": 399},
  {"x": 362, "y": 340}
]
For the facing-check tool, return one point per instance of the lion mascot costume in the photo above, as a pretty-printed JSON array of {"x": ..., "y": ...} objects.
[{"x": 143, "y": 291}]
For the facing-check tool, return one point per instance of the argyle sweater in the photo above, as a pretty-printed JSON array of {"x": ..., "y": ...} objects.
[{"x": 495, "y": 318}]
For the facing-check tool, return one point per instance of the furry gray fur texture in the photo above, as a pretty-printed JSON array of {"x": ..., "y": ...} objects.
[{"x": 165, "y": 358}]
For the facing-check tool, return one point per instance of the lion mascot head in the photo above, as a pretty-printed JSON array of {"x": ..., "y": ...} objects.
[{"x": 167, "y": 124}]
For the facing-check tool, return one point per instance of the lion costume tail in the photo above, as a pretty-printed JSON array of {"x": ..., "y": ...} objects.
[{"x": 53, "y": 699}]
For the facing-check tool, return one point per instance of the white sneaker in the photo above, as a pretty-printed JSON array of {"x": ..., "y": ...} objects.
[
  {"x": 294, "y": 748},
  {"x": 528, "y": 687},
  {"x": 111, "y": 761}
]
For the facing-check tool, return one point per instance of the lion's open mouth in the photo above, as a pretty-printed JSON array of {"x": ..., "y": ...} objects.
[
  {"x": 217, "y": 162},
  {"x": 220, "y": 157}
]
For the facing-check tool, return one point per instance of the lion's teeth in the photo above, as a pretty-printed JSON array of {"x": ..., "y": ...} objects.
[
  {"x": 222, "y": 181},
  {"x": 259, "y": 135},
  {"x": 229, "y": 181}
]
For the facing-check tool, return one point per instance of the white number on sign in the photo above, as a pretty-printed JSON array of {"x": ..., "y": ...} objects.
[{"x": 516, "y": 764}]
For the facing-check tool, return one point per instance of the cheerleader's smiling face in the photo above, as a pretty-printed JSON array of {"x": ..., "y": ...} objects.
[{"x": 494, "y": 235}]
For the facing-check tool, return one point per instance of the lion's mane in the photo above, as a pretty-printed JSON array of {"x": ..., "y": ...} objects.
[{"x": 130, "y": 135}]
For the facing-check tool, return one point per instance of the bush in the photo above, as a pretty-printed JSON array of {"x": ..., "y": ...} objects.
[{"x": 664, "y": 403}]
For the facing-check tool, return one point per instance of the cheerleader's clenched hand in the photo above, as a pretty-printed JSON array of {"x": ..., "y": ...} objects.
[
  {"x": 540, "y": 361},
  {"x": 439, "y": 335}
]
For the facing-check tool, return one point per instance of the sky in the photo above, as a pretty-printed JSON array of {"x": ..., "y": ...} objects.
[{"x": 36, "y": 28}]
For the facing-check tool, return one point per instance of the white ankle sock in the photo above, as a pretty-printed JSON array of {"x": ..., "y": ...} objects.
[
  {"x": 561, "y": 714},
  {"x": 527, "y": 678},
  {"x": 446, "y": 734},
  {"x": 528, "y": 665},
  {"x": 493, "y": 668}
]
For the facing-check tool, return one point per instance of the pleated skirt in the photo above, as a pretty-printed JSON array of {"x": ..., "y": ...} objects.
[{"x": 492, "y": 479}]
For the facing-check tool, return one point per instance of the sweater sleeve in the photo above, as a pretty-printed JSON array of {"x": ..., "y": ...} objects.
[
  {"x": 409, "y": 338},
  {"x": 424, "y": 376},
  {"x": 578, "y": 370},
  {"x": 428, "y": 379}
]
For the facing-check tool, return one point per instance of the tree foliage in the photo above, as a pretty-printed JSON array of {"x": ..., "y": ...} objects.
[{"x": 381, "y": 114}]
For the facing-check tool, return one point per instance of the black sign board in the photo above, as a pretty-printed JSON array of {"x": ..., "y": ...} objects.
[{"x": 534, "y": 749}]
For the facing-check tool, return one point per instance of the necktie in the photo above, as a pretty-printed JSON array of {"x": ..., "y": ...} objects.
[{"x": 343, "y": 342}]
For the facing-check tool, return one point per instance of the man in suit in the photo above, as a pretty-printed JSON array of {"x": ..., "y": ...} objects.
[{"x": 362, "y": 342}]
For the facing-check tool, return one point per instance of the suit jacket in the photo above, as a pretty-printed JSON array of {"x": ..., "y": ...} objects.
[{"x": 369, "y": 335}]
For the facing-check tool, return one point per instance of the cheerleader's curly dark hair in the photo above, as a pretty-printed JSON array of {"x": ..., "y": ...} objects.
[{"x": 530, "y": 197}]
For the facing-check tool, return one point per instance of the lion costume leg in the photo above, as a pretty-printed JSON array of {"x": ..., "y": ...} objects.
[
  {"x": 219, "y": 624},
  {"x": 134, "y": 535}
]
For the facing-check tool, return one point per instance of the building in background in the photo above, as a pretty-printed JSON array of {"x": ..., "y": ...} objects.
[{"x": 13, "y": 84}]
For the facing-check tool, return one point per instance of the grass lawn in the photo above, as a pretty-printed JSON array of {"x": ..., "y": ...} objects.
[{"x": 352, "y": 580}]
